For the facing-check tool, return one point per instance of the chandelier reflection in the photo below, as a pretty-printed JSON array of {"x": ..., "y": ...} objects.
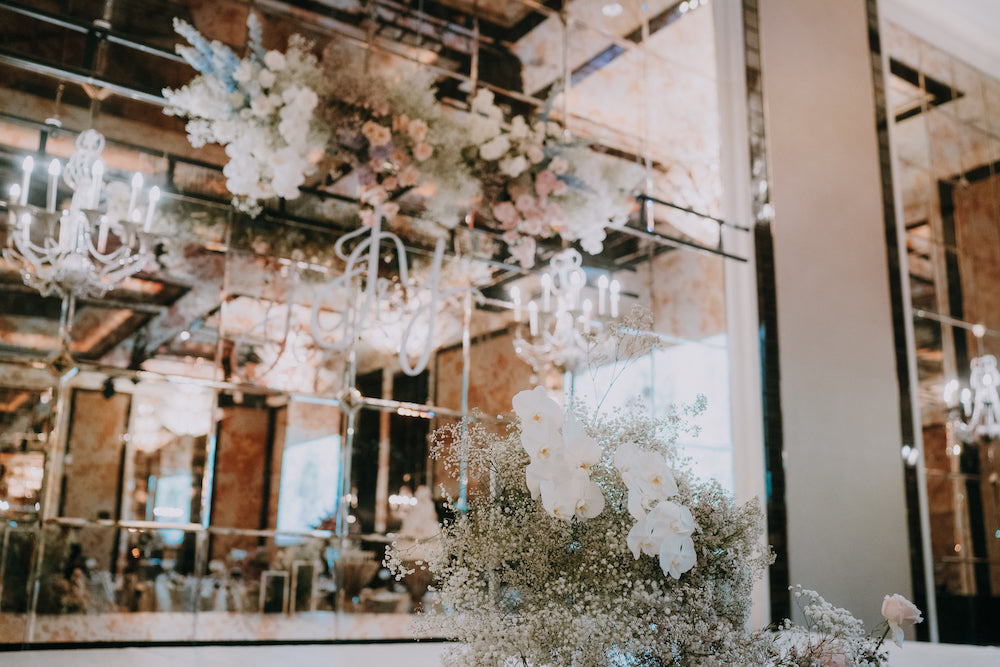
[
  {"x": 82, "y": 251},
  {"x": 393, "y": 313},
  {"x": 975, "y": 410},
  {"x": 562, "y": 329}
]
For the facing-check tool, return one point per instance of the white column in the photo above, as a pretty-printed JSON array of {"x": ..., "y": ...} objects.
[
  {"x": 740, "y": 278},
  {"x": 839, "y": 396}
]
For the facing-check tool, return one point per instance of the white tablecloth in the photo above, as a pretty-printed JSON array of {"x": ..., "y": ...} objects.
[{"x": 912, "y": 654}]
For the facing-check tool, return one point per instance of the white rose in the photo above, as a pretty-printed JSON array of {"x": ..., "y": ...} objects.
[
  {"x": 899, "y": 613},
  {"x": 519, "y": 127},
  {"x": 263, "y": 105},
  {"x": 495, "y": 148},
  {"x": 266, "y": 78},
  {"x": 513, "y": 167},
  {"x": 244, "y": 71},
  {"x": 275, "y": 60}
]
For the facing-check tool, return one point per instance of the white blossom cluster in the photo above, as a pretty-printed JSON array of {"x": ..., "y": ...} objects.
[
  {"x": 263, "y": 109},
  {"x": 541, "y": 568},
  {"x": 548, "y": 563},
  {"x": 551, "y": 184},
  {"x": 562, "y": 455},
  {"x": 281, "y": 114},
  {"x": 831, "y": 636}
]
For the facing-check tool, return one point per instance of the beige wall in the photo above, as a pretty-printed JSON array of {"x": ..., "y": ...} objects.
[{"x": 839, "y": 395}]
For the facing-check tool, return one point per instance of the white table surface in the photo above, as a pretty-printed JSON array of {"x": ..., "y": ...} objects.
[{"x": 912, "y": 654}]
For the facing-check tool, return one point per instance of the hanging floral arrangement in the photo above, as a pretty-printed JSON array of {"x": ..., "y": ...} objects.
[{"x": 287, "y": 117}]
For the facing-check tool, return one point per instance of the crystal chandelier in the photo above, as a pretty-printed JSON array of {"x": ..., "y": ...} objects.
[
  {"x": 975, "y": 410},
  {"x": 565, "y": 326},
  {"x": 83, "y": 251}
]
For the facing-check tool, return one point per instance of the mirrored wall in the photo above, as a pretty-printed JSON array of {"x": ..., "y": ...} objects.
[
  {"x": 946, "y": 140},
  {"x": 216, "y": 448}
]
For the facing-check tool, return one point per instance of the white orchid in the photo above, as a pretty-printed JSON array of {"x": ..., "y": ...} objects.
[
  {"x": 562, "y": 455},
  {"x": 541, "y": 417},
  {"x": 647, "y": 476},
  {"x": 581, "y": 450},
  {"x": 542, "y": 470},
  {"x": 666, "y": 533},
  {"x": 573, "y": 496},
  {"x": 677, "y": 555}
]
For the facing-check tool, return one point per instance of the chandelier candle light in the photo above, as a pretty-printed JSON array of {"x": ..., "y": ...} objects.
[
  {"x": 975, "y": 410},
  {"x": 68, "y": 262},
  {"x": 559, "y": 336}
]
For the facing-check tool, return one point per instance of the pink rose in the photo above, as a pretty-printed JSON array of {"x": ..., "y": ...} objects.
[
  {"x": 526, "y": 203},
  {"x": 422, "y": 151},
  {"x": 506, "y": 214},
  {"x": 545, "y": 182},
  {"x": 372, "y": 195},
  {"x": 400, "y": 158},
  {"x": 367, "y": 217},
  {"x": 377, "y": 135},
  {"x": 534, "y": 225},
  {"x": 534, "y": 153},
  {"x": 418, "y": 130},
  {"x": 409, "y": 177},
  {"x": 899, "y": 613}
]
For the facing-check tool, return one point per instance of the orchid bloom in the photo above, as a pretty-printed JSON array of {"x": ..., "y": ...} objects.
[
  {"x": 541, "y": 417},
  {"x": 647, "y": 477},
  {"x": 543, "y": 469},
  {"x": 666, "y": 533},
  {"x": 677, "y": 555},
  {"x": 574, "y": 496},
  {"x": 581, "y": 450}
]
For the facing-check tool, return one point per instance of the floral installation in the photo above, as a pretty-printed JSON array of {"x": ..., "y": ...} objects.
[
  {"x": 587, "y": 541},
  {"x": 287, "y": 117},
  {"x": 263, "y": 108},
  {"x": 539, "y": 182},
  {"x": 390, "y": 132}
]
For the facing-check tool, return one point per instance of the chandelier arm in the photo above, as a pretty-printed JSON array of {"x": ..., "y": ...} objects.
[
  {"x": 319, "y": 332},
  {"x": 130, "y": 266},
  {"x": 116, "y": 255},
  {"x": 426, "y": 311},
  {"x": 404, "y": 275},
  {"x": 338, "y": 246}
]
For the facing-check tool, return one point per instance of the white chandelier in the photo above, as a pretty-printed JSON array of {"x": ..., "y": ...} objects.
[
  {"x": 83, "y": 251},
  {"x": 975, "y": 410},
  {"x": 565, "y": 326},
  {"x": 359, "y": 304}
]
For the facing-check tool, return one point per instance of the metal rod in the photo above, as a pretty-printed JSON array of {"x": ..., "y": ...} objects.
[
  {"x": 73, "y": 75},
  {"x": 87, "y": 27},
  {"x": 733, "y": 225},
  {"x": 663, "y": 239},
  {"x": 953, "y": 322},
  {"x": 463, "y": 473}
]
